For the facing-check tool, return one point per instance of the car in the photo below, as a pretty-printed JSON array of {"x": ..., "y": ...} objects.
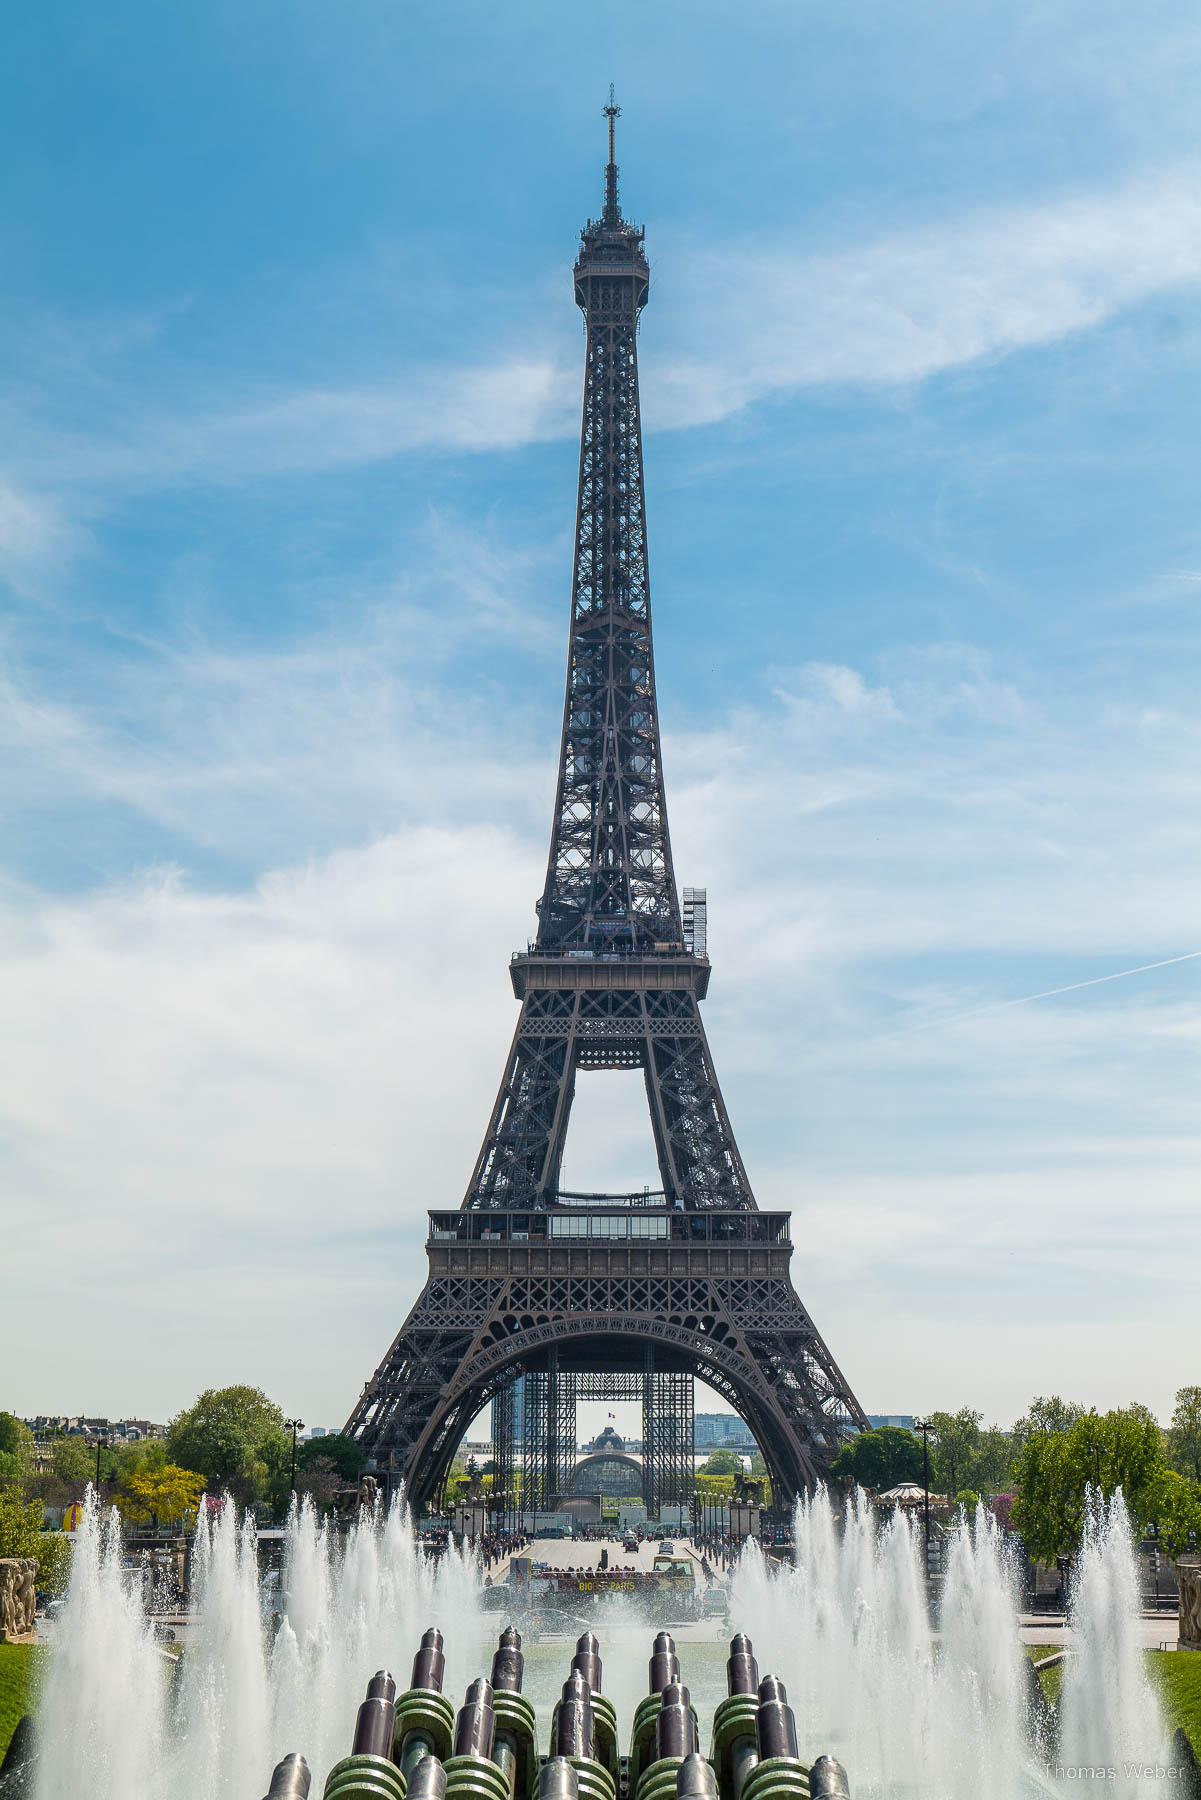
[
  {"x": 667, "y": 1548},
  {"x": 629, "y": 1544}
]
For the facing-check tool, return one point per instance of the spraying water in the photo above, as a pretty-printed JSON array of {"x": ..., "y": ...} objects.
[
  {"x": 121, "y": 1720},
  {"x": 946, "y": 1713},
  {"x": 906, "y": 1708},
  {"x": 1108, "y": 1713}
]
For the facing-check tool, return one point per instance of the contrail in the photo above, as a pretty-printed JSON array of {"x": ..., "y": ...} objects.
[{"x": 1050, "y": 993}]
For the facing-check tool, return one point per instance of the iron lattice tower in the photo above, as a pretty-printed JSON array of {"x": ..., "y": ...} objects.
[{"x": 527, "y": 1280}]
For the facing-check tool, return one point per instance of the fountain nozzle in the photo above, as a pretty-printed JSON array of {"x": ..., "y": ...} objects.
[
  {"x": 695, "y": 1779},
  {"x": 376, "y": 1723},
  {"x": 575, "y": 1730},
  {"x": 675, "y": 1728},
  {"x": 775, "y": 1725},
  {"x": 742, "y": 1671},
  {"x": 428, "y": 1780},
  {"x": 557, "y": 1780},
  {"x": 508, "y": 1665},
  {"x": 587, "y": 1660},
  {"x": 429, "y": 1664},
  {"x": 475, "y": 1726},
  {"x": 290, "y": 1779},
  {"x": 665, "y": 1664},
  {"x": 828, "y": 1780}
]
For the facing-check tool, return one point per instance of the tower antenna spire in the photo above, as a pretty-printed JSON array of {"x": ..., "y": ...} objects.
[{"x": 612, "y": 213}]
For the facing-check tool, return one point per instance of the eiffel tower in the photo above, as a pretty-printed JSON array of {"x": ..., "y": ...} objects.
[{"x": 537, "y": 1298}]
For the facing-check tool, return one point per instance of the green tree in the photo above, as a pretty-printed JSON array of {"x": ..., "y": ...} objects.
[
  {"x": 721, "y": 1462},
  {"x": 21, "y": 1535},
  {"x": 992, "y": 1465},
  {"x": 1047, "y": 1413},
  {"x": 342, "y": 1453},
  {"x": 16, "y": 1450},
  {"x": 1174, "y": 1505},
  {"x": 1184, "y": 1433},
  {"x": 955, "y": 1449},
  {"x": 234, "y": 1437},
  {"x": 1109, "y": 1450},
  {"x": 880, "y": 1459}
]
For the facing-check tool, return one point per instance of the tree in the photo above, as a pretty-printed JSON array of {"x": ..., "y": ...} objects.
[
  {"x": 73, "y": 1462},
  {"x": 320, "y": 1480},
  {"x": 956, "y": 1448},
  {"x": 21, "y": 1535},
  {"x": 1175, "y": 1509},
  {"x": 16, "y": 1450},
  {"x": 234, "y": 1437},
  {"x": 1104, "y": 1451},
  {"x": 341, "y": 1453},
  {"x": 169, "y": 1493},
  {"x": 1184, "y": 1433},
  {"x": 1047, "y": 1413},
  {"x": 722, "y": 1462},
  {"x": 880, "y": 1459}
]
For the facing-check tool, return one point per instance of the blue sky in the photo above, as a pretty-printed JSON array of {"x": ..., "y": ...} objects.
[{"x": 291, "y": 378}]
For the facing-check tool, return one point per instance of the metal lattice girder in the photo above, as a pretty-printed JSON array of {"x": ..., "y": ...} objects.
[
  {"x": 609, "y": 984},
  {"x": 662, "y": 1034},
  {"x": 667, "y": 1438}
]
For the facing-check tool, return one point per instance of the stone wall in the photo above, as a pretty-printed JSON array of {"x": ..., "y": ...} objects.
[{"x": 18, "y": 1599}]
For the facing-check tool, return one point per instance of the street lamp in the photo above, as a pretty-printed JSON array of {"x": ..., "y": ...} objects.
[
  {"x": 101, "y": 1444},
  {"x": 925, "y": 1427},
  {"x": 294, "y": 1425}
]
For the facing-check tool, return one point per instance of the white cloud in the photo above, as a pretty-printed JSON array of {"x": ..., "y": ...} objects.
[
  {"x": 735, "y": 323},
  {"x": 911, "y": 305},
  {"x": 204, "y": 1089}
]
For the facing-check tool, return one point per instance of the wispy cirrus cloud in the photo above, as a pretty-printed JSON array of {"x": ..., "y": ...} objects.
[
  {"x": 911, "y": 305},
  {"x": 883, "y": 848},
  {"x": 734, "y": 324}
]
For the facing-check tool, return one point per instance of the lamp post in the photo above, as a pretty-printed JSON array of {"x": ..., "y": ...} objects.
[
  {"x": 101, "y": 1444},
  {"x": 924, "y": 1426},
  {"x": 294, "y": 1425}
]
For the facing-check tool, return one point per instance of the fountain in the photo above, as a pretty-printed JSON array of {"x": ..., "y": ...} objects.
[{"x": 852, "y": 1669}]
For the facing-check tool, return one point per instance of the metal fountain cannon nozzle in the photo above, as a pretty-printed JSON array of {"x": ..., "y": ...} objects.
[
  {"x": 472, "y": 1773},
  {"x": 425, "y": 1718},
  {"x": 587, "y": 1660},
  {"x": 776, "y": 1725},
  {"x": 508, "y": 1664},
  {"x": 514, "y": 1746},
  {"x": 828, "y": 1780},
  {"x": 735, "y": 1749},
  {"x": 557, "y": 1780},
  {"x": 429, "y": 1664},
  {"x": 779, "y": 1774},
  {"x": 675, "y": 1728},
  {"x": 575, "y": 1730},
  {"x": 664, "y": 1663},
  {"x": 574, "y": 1736},
  {"x": 428, "y": 1780},
  {"x": 742, "y": 1671},
  {"x": 290, "y": 1779},
  {"x": 475, "y": 1726},
  {"x": 695, "y": 1779},
  {"x": 369, "y": 1772},
  {"x": 375, "y": 1726}
]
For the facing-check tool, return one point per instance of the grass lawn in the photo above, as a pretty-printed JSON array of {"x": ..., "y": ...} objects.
[
  {"x": 1174, "y": 1674},
  {"x": 20, "y": 1665}
]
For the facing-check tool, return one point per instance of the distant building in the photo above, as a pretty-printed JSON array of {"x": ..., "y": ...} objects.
[
  {"x": 903, "y": 1420},
  {"x": 127, "y": 1431},
  {"x": 722, "y": 1431}
]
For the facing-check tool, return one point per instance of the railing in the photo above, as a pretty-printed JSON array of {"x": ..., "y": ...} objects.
[{"x": 633, "y": 1217}]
